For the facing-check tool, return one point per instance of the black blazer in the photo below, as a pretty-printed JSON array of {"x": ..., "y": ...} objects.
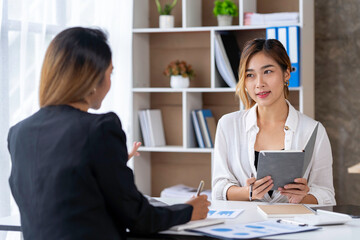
[{"x": 70, "y": 180}]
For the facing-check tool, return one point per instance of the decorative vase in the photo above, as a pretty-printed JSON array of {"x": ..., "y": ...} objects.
[
  {"x": 224, "y": 20},
  {"x": 178, "y": 81},
  {"x": 166, "y": 21}
]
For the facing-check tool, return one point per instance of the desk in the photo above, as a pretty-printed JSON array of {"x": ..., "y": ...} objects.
[{"x": 350, "y": 230}]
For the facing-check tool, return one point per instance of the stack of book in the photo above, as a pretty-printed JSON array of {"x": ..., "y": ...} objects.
[
  {"x": 205, "y": 127},
  {"x": 251, "y": 18},
  {"x": 152, "y": 127},
  {"x": 182, "y": 191}
]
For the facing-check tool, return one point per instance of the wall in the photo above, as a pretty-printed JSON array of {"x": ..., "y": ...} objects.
[{"x": 337, "y": 88}]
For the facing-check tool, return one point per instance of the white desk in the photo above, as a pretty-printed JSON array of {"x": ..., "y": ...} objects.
[{"x": 350, "y": 230}]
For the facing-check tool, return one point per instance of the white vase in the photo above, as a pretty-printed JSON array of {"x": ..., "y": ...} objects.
[
  {"x": 166, "y": 21},
  {"x": 224, "y": 20},
  {"x": 178, "y": 81}
]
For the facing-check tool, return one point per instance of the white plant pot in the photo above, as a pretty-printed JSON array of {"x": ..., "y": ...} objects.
[
  {"x": 166, "y": 21},
  {"x": 179, "y": 81},
  {"x": 224, "y": 20}
]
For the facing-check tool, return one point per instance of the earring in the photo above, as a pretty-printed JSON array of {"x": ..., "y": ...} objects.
[
  {"x": 93, "y": 91},
  {"x": 246, "y": 90},
  {"x": 286, "y": 83}
]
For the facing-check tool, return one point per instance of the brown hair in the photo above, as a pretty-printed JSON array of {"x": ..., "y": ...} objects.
[
  {"x": 74, "y": 64},
  {"x": 272, "y": 48}
]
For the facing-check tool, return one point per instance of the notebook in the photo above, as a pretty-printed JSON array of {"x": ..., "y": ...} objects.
[
  {"x": 197, "y": 223},
  {"x": 280, "y": 211},
  {"x": 285, "y": 165}
]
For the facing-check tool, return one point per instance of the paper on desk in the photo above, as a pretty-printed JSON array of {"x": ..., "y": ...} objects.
[
  {"x": 250, "y": 230},
  {"x": 224, "y": 214},
  {"x": 196, "y": 224}
]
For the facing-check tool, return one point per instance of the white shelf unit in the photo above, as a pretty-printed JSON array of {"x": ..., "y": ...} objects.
[{"x": 192, "y": 40}]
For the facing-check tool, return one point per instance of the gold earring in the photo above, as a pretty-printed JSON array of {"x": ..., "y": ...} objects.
[
  {"x": 93, "y": 91},
  {"x": 287, "y": 83}
]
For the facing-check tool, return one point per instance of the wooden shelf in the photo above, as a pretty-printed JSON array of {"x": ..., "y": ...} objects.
[{"x": 192, "y": 40}]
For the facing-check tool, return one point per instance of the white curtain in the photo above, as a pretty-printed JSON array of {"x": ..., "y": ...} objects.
[{"x": 27, "y": 27}]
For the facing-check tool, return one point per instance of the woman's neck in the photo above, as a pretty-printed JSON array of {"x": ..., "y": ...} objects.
[
  {"x": 83, "y": 106},
  {"x": 273, "y": 114}
]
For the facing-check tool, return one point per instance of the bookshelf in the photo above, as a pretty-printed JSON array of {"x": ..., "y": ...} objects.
[{"x": 192, "y": 40}]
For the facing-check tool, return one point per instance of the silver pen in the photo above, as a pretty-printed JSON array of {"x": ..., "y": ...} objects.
[
  {"x": 292, "y": 222},
  {"x": 200, "y": 188},
  {"x": 251, "y": 188}
]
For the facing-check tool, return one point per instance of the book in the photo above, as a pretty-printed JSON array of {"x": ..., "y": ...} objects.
[
  {"x": 156, "y": 127},
  {"x": 152, "y": 128},
  {"x": 285, "y": 165},
  {"x": 197, "y": 130},
  {"x": 205, "y": 116},
  {"x": 222, "y": 62},
  {"x": 232, "y": 51},
  {"x": 197, "y": 223},
  {"x": 279, "y": 211}
]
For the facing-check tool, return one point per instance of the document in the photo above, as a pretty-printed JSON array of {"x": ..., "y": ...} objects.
[
  {"x": 197, "y": 223},
  {"x": 251, "y": 230},
  {"x": 224, "y": 214},
  {"x": 285, "y": 165}
]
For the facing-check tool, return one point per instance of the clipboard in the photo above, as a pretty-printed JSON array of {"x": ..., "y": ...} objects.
[{"x": 285, "y": 165}]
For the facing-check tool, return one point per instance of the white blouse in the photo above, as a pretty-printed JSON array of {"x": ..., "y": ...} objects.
[{"x": 234, "y": 154}]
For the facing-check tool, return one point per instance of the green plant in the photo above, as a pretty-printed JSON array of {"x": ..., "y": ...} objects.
[
  {"x": 225, "y": 7},
  {"x": 167, "y": 8},
  {"x": 179, "y": 68}
]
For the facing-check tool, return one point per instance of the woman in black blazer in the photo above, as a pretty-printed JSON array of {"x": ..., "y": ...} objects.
[{"x": 69, "y": 175}]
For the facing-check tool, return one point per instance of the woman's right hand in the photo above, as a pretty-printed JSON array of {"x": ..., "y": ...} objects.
[
  {"x": 260, "y": 187},
  {"x": 200, "y": 207}
]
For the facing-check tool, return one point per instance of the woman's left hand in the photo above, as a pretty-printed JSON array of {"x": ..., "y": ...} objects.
[
  {"x": 134, "y": 151},
  {"x": 295, "y": 192}
]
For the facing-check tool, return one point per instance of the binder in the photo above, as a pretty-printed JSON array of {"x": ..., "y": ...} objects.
[
  {"x": 156, "y": 128},
  {"x": 197, "y": 130},
  {"x": 289, "y": 36},
  {"x": 271, "y": 33},
  {"x": 282, "y": 33},
  {"x": 294, "y": 52},
  {"x": 232, "y": 51}
]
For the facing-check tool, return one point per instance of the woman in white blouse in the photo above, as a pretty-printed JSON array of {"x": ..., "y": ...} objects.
[{"x": 268, "y": 123}]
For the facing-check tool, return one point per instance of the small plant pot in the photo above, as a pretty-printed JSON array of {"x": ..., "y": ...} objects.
[
  {"x": 166, "y": 21},
  {"x": 179, "y": 81},
  {"x": 224, "y": 20}
]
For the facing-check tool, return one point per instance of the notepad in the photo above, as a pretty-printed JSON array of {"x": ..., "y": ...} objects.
[
  {"x": 197, "y": 223},
  {"x": 288, "y": 210},
  {"x": 285, "y": 165}
]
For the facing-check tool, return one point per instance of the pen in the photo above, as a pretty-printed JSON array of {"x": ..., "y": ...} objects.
[
  {"x": 200, "y": 188},
  {"x": 251, "y": 188},
  {"x": 291, "y": 222}
]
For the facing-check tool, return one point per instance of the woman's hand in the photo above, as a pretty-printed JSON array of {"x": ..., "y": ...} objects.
[
  {"x": 200, "y": 207},
  {"x": 134, "y": 151},
  {"x": 295, "y": 192},
  {"x": 260, "y": 187}
]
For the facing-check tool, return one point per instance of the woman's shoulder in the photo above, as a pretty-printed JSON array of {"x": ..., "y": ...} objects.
[
  {"x": 233, "y": 116},
  {"x": 308, "y": 123}
]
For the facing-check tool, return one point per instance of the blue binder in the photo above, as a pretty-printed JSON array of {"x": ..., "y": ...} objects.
[
  {"x": 271, "y": 33},
  {"x": 294, "y": 54},
  {"x": 289, "y": 36}
]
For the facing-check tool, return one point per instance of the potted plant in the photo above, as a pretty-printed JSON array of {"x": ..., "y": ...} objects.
[
  {"x": 166, "y": 20},
  {"x": 225, "y": 10},
  {"x": 180, "y": 73}
]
